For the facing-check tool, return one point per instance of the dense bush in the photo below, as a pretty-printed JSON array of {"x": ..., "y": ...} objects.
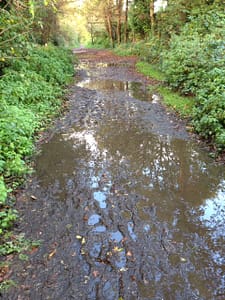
[
  {"x": 52, "y": 63},
  {"x": 14, "y": 36},
  {"x": 195, "y": 63}
]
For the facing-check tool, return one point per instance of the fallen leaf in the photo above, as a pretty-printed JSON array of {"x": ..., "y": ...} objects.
[
  {"x": 83, "y": 241},
  {"x": 117, "y": 249},
  {"x": 82, "y": 252},
  {"x": 4, "y": 270},
  {"x": 33, "y": 250},
  {"x": 95, "y": 273},
  {"x": 52, "y": 254},
  {"x": 124, "y": 239},
  {"x": 25, "y": 287},
  {"x": 182, "y": 259},
  {"x": 85, "y": 218},
  {"x": 79, "y": 237},
  {"x": 123, "y": 269}
]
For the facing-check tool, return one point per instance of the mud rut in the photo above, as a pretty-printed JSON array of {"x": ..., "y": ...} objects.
[{"x": 116, "y": 198}]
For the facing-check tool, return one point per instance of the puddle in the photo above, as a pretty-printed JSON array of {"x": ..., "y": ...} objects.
[
  {"x": 116, "y": 236},
  {"x": 94, "y": 219},
  {"x": 96, "y": 250},
  {"x": 100, "y": 197},
  {"x": 130, "y": 227},
  {"x": 121, "y": 260},
  {"x": 99, "y": 229},
  {"x": 133, "y": 89}
]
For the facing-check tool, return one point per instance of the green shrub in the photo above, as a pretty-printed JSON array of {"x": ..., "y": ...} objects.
[
  {"x": 52, "y": 63},
  {"x": 3, "y": 191},
  {"x": 195, "y": 63},
  {"x": 16, "y": 130},
  {"x": 14, "y": 36},
  {"x": 209, "y": 118},
  {"x": 26, "y": 88}
]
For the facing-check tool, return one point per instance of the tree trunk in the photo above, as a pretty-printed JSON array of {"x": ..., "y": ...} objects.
[
  {"x": 151, "y": 13},
  {"x": 110, "y": 30},
  {"x": 125, "y": 23},
  {"x": 119, "y": 11},
  {"x": 109, "y": 21}
]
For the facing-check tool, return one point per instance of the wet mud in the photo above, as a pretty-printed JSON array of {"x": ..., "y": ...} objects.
[{"x": 125, "y": 204}]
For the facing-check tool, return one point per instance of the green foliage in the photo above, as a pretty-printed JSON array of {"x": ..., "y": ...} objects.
[
  {"x": 100, "y": 41},
  {"x": 147, "y": 51},
  {"x": 7, "y": 217},
  {"x": 6, "y": 284},
  {"x": 195, "y": 63},
  {"x": 209, "y": 118},
  {"x": 3, "y": 190},
  {"x": 27, "y": 88},
  {"x": 53, "y": 64},
  {"x": 18, "y": 244},
  {"x": 139, "y": 18},
  {"x": 124, "y": 49},
  {"x": 16, "y": 129},
  {"x": 14, "y": 35}
]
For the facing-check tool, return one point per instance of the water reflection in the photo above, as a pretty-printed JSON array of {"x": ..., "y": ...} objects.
[{"x": 134, "y": 89}]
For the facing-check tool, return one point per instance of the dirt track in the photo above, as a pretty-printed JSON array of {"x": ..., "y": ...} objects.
[{"x": 120, "y": 198}]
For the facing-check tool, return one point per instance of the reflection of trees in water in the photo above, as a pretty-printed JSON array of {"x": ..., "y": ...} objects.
[
  {"x": 134, "y": 89},
  {"x": 171, "y": 167},
  {"x": 56, "y": 163}
]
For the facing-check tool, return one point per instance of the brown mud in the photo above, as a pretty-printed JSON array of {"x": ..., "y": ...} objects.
[{"x": 125, "y": 204}]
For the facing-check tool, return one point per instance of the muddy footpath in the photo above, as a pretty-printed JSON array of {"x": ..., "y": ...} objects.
[{"x": 124, "y": 203}]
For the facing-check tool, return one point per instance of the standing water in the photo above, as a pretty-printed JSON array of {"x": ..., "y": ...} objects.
[{"x": 128, "y": 207}]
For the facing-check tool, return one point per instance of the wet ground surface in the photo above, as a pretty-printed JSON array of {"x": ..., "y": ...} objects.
[{"x": 125, "y": 204}]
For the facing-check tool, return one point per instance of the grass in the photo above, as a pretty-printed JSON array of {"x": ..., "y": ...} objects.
[
  {"x": 149, "y": 70},
  {"x": 181, "y": 104}
]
